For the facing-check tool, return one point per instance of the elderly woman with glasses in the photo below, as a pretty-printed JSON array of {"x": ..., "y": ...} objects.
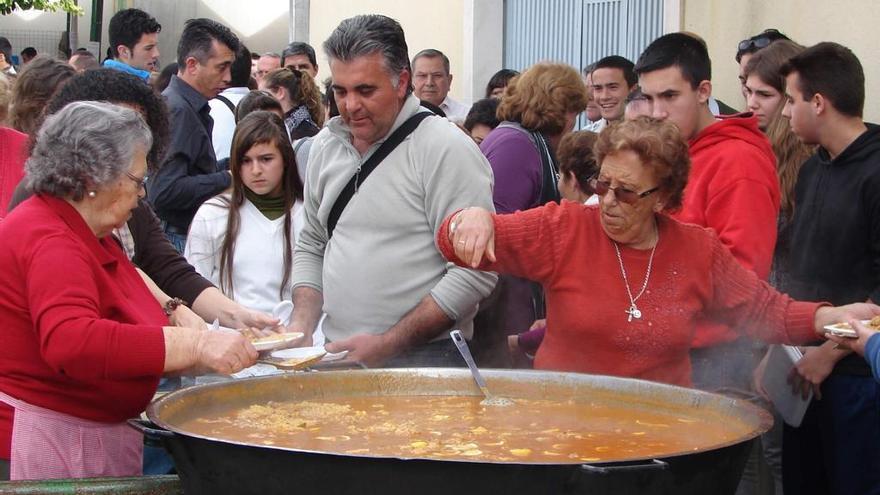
[
  {"x": 84, "y": 340},
  {"x": 625, "y": 283}
]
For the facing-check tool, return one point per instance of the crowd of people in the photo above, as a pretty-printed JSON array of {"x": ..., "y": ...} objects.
[{"x": 671, "y": 239}]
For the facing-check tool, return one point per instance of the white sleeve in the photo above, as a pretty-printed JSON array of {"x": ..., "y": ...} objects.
[{"x": 203, "y": 243}]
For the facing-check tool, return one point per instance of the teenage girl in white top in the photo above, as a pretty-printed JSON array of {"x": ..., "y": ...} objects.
[{"x": 243, "y": 240}]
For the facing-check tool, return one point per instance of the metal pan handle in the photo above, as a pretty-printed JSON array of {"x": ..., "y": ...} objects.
[
  {"x": 148, "y": 429},
  {"x": 652, "y": 465}
]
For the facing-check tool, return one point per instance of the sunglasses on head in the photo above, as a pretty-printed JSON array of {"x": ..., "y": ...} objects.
[
  {"x": 759, "y": 41},
  {"x": 622, "y": 194}
]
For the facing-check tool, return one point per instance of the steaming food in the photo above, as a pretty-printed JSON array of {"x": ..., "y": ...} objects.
[{"x": 459, "y": 428}]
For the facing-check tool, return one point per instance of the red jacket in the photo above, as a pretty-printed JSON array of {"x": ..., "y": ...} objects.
[
  {"x": 13, "y": 154},
  {"x": 565, "y": 248},
  {"x": 82, "y": 334},
  {"x": 733, "y": 189}
]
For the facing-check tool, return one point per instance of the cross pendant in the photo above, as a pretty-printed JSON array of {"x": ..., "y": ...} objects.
[{"x": 633, "y": 312}]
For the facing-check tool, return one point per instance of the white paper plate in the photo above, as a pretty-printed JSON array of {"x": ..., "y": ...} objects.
[
  {"x": 299, "y": 353},
  {"x": 334, "y": 356},
  {"x": 276, "y": 341},
  {"x": 303, "y": 353},
  {"x": 844, "y": 330}
]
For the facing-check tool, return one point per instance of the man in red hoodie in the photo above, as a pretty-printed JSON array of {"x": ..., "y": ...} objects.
[{"x": 732, "y": 188}]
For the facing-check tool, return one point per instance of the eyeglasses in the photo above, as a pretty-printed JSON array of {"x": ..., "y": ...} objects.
[
  {"x": 621, "y": 194},
  {"x": 140, "y": 181}
]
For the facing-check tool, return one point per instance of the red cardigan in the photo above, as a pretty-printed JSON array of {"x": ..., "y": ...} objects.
[
  {"x": 82, "y": 334},
  {"x": 567, "y": 251},
  {"x": 733, "y": 189},
  {"x": 12, "y": 158}
]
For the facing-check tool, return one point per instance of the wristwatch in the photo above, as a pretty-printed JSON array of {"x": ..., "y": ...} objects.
[{"x": 172, "y": 304}]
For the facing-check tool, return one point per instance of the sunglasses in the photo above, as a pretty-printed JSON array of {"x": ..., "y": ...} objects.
[
  {"x": 759, "y": 41},
  {"x": 620, "y": 193},
  {"x": 756, "y": 44}
]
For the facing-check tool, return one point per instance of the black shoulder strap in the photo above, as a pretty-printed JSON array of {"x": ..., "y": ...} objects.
[
  {"x": 226, "y": 101},
  {"x": 367, "y": 167},
  {"x": 549, "y": 173}
]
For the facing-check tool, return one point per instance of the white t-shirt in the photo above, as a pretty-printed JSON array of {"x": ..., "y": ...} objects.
[
  {"x": 224, "y": 121},
  {"x": 257, "y": 267}
]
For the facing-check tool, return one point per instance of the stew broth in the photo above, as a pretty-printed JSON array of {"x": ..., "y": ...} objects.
[{"x": 459, "y": 428}]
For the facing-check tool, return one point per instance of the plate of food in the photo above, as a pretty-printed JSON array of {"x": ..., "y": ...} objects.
[
  {"x": 275, "y": 341},
  {"x": 300, "y": 353},
  {"x": 845, "y": 330},
  {"x": 295, "y": 358}
]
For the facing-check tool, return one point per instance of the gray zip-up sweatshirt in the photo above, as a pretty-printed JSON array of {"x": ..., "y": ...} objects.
[{"x": 382, "y": 259}]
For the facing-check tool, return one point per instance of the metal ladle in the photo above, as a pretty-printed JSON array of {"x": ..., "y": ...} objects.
[{"x": 490, "y": 400}]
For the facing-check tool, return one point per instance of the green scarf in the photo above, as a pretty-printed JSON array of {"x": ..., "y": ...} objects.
[{"x": 271, "y": 208}]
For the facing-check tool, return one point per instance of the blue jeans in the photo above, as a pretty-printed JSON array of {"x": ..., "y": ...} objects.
[
  {"x": 177, "y": 240},
  {"x": 836, "y": 450}
]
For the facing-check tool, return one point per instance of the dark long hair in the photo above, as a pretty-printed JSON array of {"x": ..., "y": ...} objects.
[{"x": 259, "y": 127}]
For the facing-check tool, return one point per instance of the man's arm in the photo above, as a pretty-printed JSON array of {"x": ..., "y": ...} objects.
[
  {"x": 308, "y": 258},
  {"x": 307, "y": 305},
  {"x": 174, "y": 188},
  {"x": 744, "y": 214},
  {"x": 419, "y": 326},
  {"x": 155, "y": 255}
]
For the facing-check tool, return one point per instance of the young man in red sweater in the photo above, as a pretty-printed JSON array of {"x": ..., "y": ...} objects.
[{"x": 732, "y": 188}]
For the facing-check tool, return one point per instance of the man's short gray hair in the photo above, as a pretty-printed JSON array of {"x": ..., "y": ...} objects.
[
  {"x": 85, "y": 144},
  {"x": 365, "y": 35},
  {"x": 433, "y": 53}
]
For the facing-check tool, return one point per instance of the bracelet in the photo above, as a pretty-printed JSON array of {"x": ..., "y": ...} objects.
[{"x": 172, "y": 304}]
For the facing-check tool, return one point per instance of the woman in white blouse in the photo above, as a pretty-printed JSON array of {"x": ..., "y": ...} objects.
[{"x": 243, "y": 240}]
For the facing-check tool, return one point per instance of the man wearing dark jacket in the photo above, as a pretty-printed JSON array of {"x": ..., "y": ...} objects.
[
  {"x": 189, "y": 175},
  {"x": 835, "y": 258}
]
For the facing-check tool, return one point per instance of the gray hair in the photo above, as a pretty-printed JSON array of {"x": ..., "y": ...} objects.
[
  {"x": 432, "y": 53},
  {"x": 271, "y": 55},
  {"x": 365, "y": 35},
  {"x": 85, "y": 144}
]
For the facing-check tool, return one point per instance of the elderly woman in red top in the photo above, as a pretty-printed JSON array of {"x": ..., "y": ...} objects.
[
  {"x": 625, "y": 282},
  {"x": 84, "y": 340}
]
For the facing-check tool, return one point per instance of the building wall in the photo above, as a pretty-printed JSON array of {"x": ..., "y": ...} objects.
[
  {"x": 43, "y": 30},
  {"x": 723, "y": 23},
  {"x": 438, "y": 25}
]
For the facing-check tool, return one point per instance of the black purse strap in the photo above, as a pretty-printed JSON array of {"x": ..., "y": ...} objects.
[
  {"x": 367, "y": 167},
  {"x": 226, "y": 101}
]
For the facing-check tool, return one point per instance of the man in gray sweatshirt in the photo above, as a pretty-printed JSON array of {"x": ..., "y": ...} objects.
[{"x": 389, "y": 296}]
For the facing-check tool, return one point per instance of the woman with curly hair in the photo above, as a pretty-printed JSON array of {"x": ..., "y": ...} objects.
[
  {"x": 625, "y": 282},
  {"x": 539, "y": 107},
  {"x": 300, "y": 99}
]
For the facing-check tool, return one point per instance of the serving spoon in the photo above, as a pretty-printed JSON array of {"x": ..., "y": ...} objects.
[{"x": 490, "y": 400}]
